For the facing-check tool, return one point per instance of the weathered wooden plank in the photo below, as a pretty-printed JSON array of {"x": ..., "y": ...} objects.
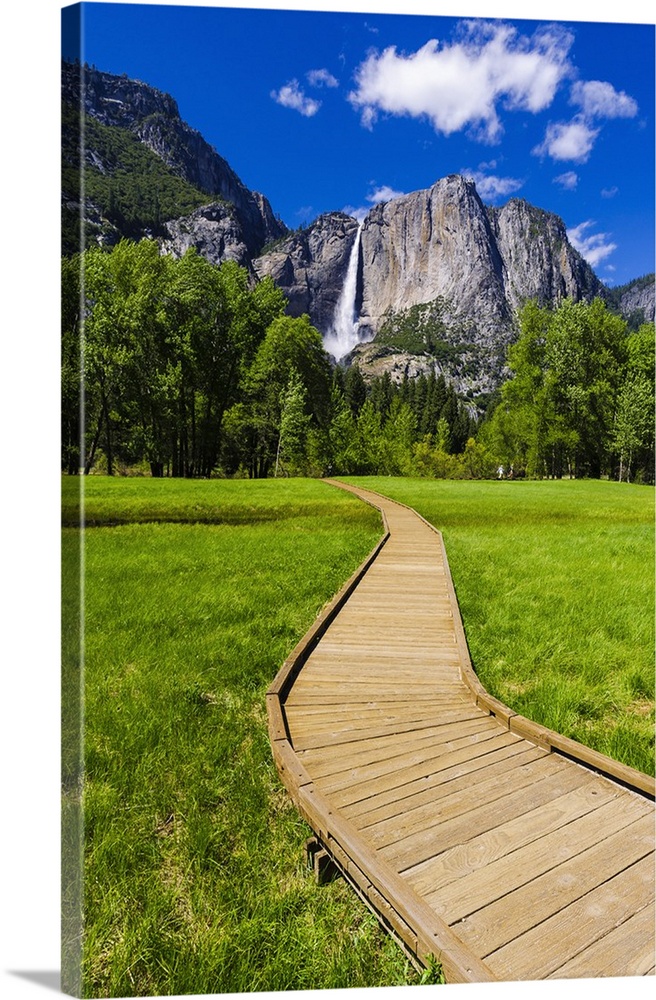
[
  {"x": 342, "y": 696},
  {"x": 507, "y": 918},
  {"x": 366, "y": 697},
  {"x": 364, "y": 603},
  {"x": 345, "y": 735},
  {"x": 574, "y": 928},
  {"x": 468, "y": 770},
  {"x": 324, "y": 718},
  {"x": 419, "y": 697},
  {"x": 276, "y": 718},
  {"x": 399, "y": 800},
  {"x": 366, "y": 788},
  {"x": 460, "y": 885},
  {"x": 360, "y": 614},
  {"x": 486, "y": 730},
  {"x": 426, "y": 629},
  {"x": 628, "y": 950},
  {"x": 353, "y": 651},
  {"x": 355, "y": 726},
  {"x": 372, "y": 591},
  {"x": 427, "y": 704},
  {"x": 426, "y": 816},
  {"x": 357, "y": 685},
  {"x": 428, "y": 843},
  {"x": 435, "y": 700},
  {"x": 508, "y": 837},
  {"x": 374, "y": 668},
  {"x": 331, "y": 760},
  {"x": 292, "y": 774}
]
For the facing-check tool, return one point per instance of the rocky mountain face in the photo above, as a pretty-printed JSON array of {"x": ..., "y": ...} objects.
[
  {"x": 310, "y": 266},
  {"x": 430, "y": 244},
  {"x": 238, "y": 230},
  {"x": 216, "y": 232},
  {"x": 539, "y": 262},
  {"x": 638, "y": 299},
  {"x": 441, "y": 279}
]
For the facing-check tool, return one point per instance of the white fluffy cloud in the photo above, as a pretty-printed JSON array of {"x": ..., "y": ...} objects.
[
  {"x": 357, "y": 213},
  {"x": 595, "y": 247},
  {"x": 568, "y": 141},
  {"x": 321, "y": 78},
  {"x": 491, "y": 187},
  {"x": 460, "y": 85},
  {"x": 568, "y": 180},
  {"x": 292, "y": 96},
  {"x": 574, "y": 140},
  {"x": 382, "y": 193},
  {"x": 600, "y": 100}
]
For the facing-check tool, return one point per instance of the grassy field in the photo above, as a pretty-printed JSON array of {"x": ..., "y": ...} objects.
[
  {"x": 555, "y": 582},
  {"x": 195, "y": 593},
  {"x": 194, "y": 871}
]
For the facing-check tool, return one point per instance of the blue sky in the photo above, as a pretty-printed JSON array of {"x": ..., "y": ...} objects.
[{"x": 322, "y": 110}]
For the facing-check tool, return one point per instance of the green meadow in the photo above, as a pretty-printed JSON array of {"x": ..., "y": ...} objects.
[{"x": 195, "y": 592}]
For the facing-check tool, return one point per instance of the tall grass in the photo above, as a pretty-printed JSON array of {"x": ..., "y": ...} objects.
[
  {"x": 194, "y": 875},
  {"x": 555, "y": 584}
]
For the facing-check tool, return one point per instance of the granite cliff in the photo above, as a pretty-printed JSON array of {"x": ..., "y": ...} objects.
[
  {"x": 310, "y": 266},
  {"x": 441, "y": 279},
  {"x": 636, "y": 301}
]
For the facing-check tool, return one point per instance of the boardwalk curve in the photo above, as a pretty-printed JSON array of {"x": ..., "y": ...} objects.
[{"x": 504, "y": 850}]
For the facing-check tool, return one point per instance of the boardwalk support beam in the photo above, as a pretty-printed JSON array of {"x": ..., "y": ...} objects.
[{"x": 320, "y": 862}]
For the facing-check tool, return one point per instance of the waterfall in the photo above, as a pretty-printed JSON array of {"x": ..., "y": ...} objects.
[{"x": 343, "y": 334}]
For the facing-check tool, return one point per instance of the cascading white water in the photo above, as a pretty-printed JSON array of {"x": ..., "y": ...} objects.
[{"x": 343, "y": 334}]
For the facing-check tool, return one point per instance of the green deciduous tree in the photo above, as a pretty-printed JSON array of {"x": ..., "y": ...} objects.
[
  {"x": 557, "y": 413},
  {"x": 71, "y": 365},
  {"x": 294, "y": 426},
  {"x": 166, "y": 346},
  {"x": 396, "y": 440},
  {"x": 633, "y": 431},
  {"x": 291, "y": 345}
]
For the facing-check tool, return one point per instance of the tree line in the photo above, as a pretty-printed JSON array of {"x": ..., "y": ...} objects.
[{"x": 189, "y": 370}]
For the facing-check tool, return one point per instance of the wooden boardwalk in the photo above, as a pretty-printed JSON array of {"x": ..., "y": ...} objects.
[{"x": 503, "y": 849}]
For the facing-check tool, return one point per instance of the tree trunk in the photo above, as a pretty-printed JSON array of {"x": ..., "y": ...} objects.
[
  {"x": 193, "y": 463},
  {"x": 175, "y": 456},
  {"x": 108, "y": 438},
  {"x": 88, "y": 465},
  {"x": 275, "y": 473}
]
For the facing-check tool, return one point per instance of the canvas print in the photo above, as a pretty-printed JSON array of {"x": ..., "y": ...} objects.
[{"x": 357, "y": 498}]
